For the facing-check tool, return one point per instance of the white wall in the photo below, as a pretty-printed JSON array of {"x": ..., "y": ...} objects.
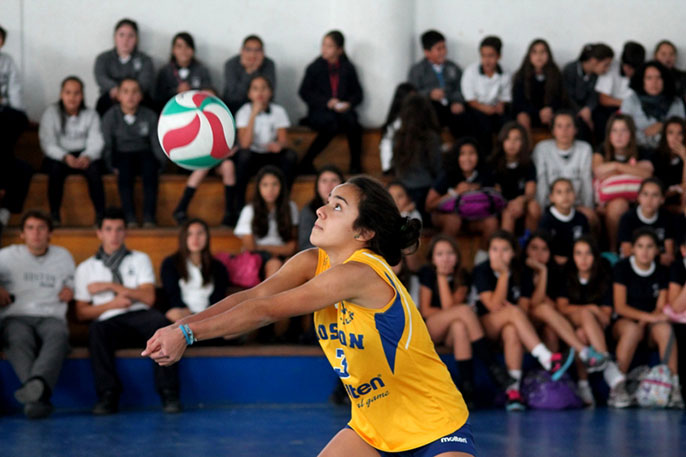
[{"x": 51, "y": 39}]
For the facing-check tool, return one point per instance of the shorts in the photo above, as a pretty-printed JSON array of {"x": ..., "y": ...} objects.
[{"x": 459, "y": 441}]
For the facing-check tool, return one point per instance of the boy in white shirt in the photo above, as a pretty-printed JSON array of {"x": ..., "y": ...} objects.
[
  {"x": 115, "y": 289},
  {"x": 36, "y": 282}
]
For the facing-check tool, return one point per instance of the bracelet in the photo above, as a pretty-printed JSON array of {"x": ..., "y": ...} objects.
[{"x": 188, "y": 334}]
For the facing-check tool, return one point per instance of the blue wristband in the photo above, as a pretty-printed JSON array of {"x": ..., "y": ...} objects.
[{"x": 188, "y": 334}]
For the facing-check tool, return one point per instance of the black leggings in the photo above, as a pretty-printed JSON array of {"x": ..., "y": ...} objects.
[{"x": 58, "y": 171}]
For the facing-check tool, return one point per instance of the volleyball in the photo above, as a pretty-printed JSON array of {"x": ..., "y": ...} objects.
[{"x": 196, "y": 130}]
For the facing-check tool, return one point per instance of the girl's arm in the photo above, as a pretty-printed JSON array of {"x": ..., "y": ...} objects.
[
  {"x": 433, "y": 199},
  {"x": 494, "y": 300},
  {"x": 460, "y": 295},
  {"x": 444, "y": 292},
  {"x": 245, "y": 134},
  {"x": 248, "y": 242},
  {"x": 530, "y": 191},
  {"x": 625, "y": 310},
  {"x": 642, "y": 169},
  {"x": 677, "y": 297},
  {"x": 667, "y": 257},
  {"x": 600, "y": 168},
  {"x": 541, "y": 285},
  {"x": 661, "y": 302},
  {"x": 282, "y": 137}
]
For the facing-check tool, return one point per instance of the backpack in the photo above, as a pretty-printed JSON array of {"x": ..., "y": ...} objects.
[
  {"x": 541, "y": 392},
  {"x": 243, "y": 269},
  {"x": 655, "y": 385},
  {"x": 475, "y": 205}
]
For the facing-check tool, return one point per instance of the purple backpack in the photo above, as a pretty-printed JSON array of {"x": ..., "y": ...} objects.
[
  {"x": 475, "y": 204},
  {"x": 541, "y": 392}
]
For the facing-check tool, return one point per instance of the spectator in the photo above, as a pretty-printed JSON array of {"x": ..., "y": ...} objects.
[
  {"x": 392, "y": 124},
  {"x": 115, "y": 289},
  {"x": 240, "y": 69},
  {"x": 666, "y": 53},
  {"x": 669, "y": 160},
  {"x": 72, "y": 142},
  {"x": 36, "y": 283},
  {"x": 332, "y": 91},
  {"x": 124, "y": 61},
  {"x": 328, "y": 177},
  {"x": 183, "y": 72}
]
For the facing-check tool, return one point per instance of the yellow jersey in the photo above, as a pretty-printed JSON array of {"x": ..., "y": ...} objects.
[{"x": 402, "y": 396}]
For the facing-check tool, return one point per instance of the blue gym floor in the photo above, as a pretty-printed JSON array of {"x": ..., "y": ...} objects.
[{"x": 302, "y": 430}]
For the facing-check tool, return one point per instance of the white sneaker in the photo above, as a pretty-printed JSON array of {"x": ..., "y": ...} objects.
[
  {"x": 675, "y": 399},
  {"x": 586, "y": 394},
  {"x": 619, "y": 397}
]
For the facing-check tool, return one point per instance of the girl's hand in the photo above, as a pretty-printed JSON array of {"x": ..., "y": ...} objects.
[
  {"x": 72, "y": 161},
  {"x": 183, "y": 87},
  {"x": 341, "y": 107},
  {"x": 658, "y": 317},
  {"x": 114, "y": 92},
  {"x": 464, "y": 186},
  {"x": 274, "y": 147},
  {"x": 166, "y": 346},
  {"x": 257, "y": 108},
  {"x": 534, "y": 264},
  {"x": 654, "y": 129},
  {"x": 585, "y": 115},
  {"x": 457, "y": 108},
  {"x": 331, "y": 104},
  {"x": 680, "y": 150}
]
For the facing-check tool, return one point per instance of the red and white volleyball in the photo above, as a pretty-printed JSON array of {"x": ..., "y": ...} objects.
[{"x": 196, "y": 130}]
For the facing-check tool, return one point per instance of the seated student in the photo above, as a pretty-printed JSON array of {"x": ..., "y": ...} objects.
[
  {"x": 417, "y": 149},
  {"x": 438, "y": 79},
  {"x": 537, "y": 89},
  {"x": 669, "y": 160},
  {"x": 486, "y": 88},
  {"x": 15, "y": 174},
  {"x": 640, "y": 295},
  {"x": 72, "y": 142},
  {"x": 262, "y": 137},
  {"x": 613, "y": 86},
  {"x": 562, "y": 221},
  {"x": 585, "y": 298},
  {"x": 442, "y": 297},
  {"x": 36, "y": 283},
  {"x": 392, "y": 125},
  {"x": 676, "y": 300},
  {"x": 618, "y": 156},
  {"x": 649, "y": 213},
  {"x": 461, "y": 174},
  {"x": 580, "y": 77},
  {"x": 183, "y": 72},
  {"x": 401, "y": 197},
  {"x": 666, "y": 53},
  {"x": 269, "y": 224},
  {"x": 124, "y": 61},
  {"x": 654, "y": 100},
  {"x": 542, "y": 310},
  {"x": 328, "y": 177},
  {"x": 565, "y": 157},
  {"x": 132, "y": 147},
  {"x": 504, "y": 290},
  {"x": 192, "y": 279},
  {"x": 115, "y": 289},
  {"x": 241, "y": 68},
  {"x": 514, "y": 175},
  {"x": 331, "y": 90}
]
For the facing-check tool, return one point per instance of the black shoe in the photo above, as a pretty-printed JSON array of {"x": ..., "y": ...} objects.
[
  {"x": 30, "y": 392},
  {"x": 180, "y": 217},
  {"x": 170, "y": 402},
  {"x": 108, "y": 404},
  {"x": 500, "y": 376},
  {"x": 38, "y": 409},
  {"x": 356, "y": 170},
  {"x": 56, "y": 220}
]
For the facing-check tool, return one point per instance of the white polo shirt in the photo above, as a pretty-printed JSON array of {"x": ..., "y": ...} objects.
[
  {"x": 266, "y": 124},
  {"x": 135, "y": 270},
  {"x": 613, "y": 83},
  {"x": 244, "y": 226},
  {"x": 193, "y": 293},
  {"x": 476, "y": 86}
]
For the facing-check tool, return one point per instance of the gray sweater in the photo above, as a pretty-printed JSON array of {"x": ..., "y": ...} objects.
[
  {"x": 10, "y": 83},
  {"x": 580, "y": 88},
  {"x": 237, "y": 81},
  {"x": 423, "y": 77},
  {"x": 109, "y": 70},
  {"x": 574, "y": 164},
  {"x": 170, "y": 76},
  {"x": 632, "y": 106},
  {"x": 124, "y": 138},
  {"x": 80, "y": 133}
]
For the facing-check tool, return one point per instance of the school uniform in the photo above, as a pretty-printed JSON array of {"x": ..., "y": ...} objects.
[
  {"x": 78, "y": 135},
  {"x": 484, "y": 279},
  {"x": 476, "y": 86},
  {"x": 249, "y": 161},
  {"x": 632, "y": 106},
  {"x": 513, "y": 179},
  {"x": 386, "y": 146},
  {"x": 534, "y": 102},
  {"x": 580, "y": 88},
  {"x": 272, "y": 238},
  {"x": 662, "y": 223},
  {"x": 574, "y": 164},
  {"x": 447, "y": 181},
  {"x": 616, "y": 85},
  {"x": 191, "y": 292},
  {"x": 419, "y": 175},
  {"x": 131, "y": 144},
  {"x": 237, "y": 80},
  {"x": 642, "y": 287},
  {"x": 429, "y": 279},
  {"x": 582, "y": 292},
  {"x": 670, "y": 171},
  {"x": 563, "y": 230},
  {"x": 171, "y": 75},
  {"x": 110, "y": 70}
]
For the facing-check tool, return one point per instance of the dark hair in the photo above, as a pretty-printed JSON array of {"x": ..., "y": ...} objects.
[
  {"x": 259, "y": 76},
  {"x": 3, "y": 34},
  {"x": 663, "y": 151},
  {"x": 393, "y": 234},
  {"x": 126, "y": 21},
  {"x": 544, "y": 235},
  {"x": 112, "y": 213},
  {"x": 491, "y": 41},
  {"x": 317, "y": 200},
  {"x": 608, "y": 151},
  {"x": 498, "y": 160},
  {"x": 129, "y": 78},
  {"x": 663, "y": 42},
  {"x": 633, "y": 54},
  {"x": 644, "y": 231},
  {"x": 260, "y": 220},
  {"x": 510, "y": 239},
  {"x": 339, "y": 40},
  {"x": 402, "y": 90},
  {"x": 451, "y": 160},
  {"x": 182, "y": 254},
  {"x": 553, "y": 77},
  {"x": 36, "y": 214},
  {"x": 652, "y": 180},
  {"x": 559, "y": 180},
  {"x": 430, "y": 38},
  {"x": 459, "y": 275},
  {"x": 63, "y": 111},
  {"x": 598, "y": 51},
  {"x": 252, "y": 38},
  {"x": 668, "y": 88},
  {"x": 598, "y": 285},
  {"x": 186, "y": 38},
  {"x": 563, "y": 112},
  {"x": 417, "y": 135}
]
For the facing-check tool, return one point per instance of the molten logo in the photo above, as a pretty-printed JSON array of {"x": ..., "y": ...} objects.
[{"x": 364, "y": 389}]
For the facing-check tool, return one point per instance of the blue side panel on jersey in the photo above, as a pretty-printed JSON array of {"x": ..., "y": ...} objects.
[{"x": 391, "y": 325}]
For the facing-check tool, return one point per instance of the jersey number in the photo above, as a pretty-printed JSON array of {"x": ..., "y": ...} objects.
[{"x": 341, "y": 371}]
